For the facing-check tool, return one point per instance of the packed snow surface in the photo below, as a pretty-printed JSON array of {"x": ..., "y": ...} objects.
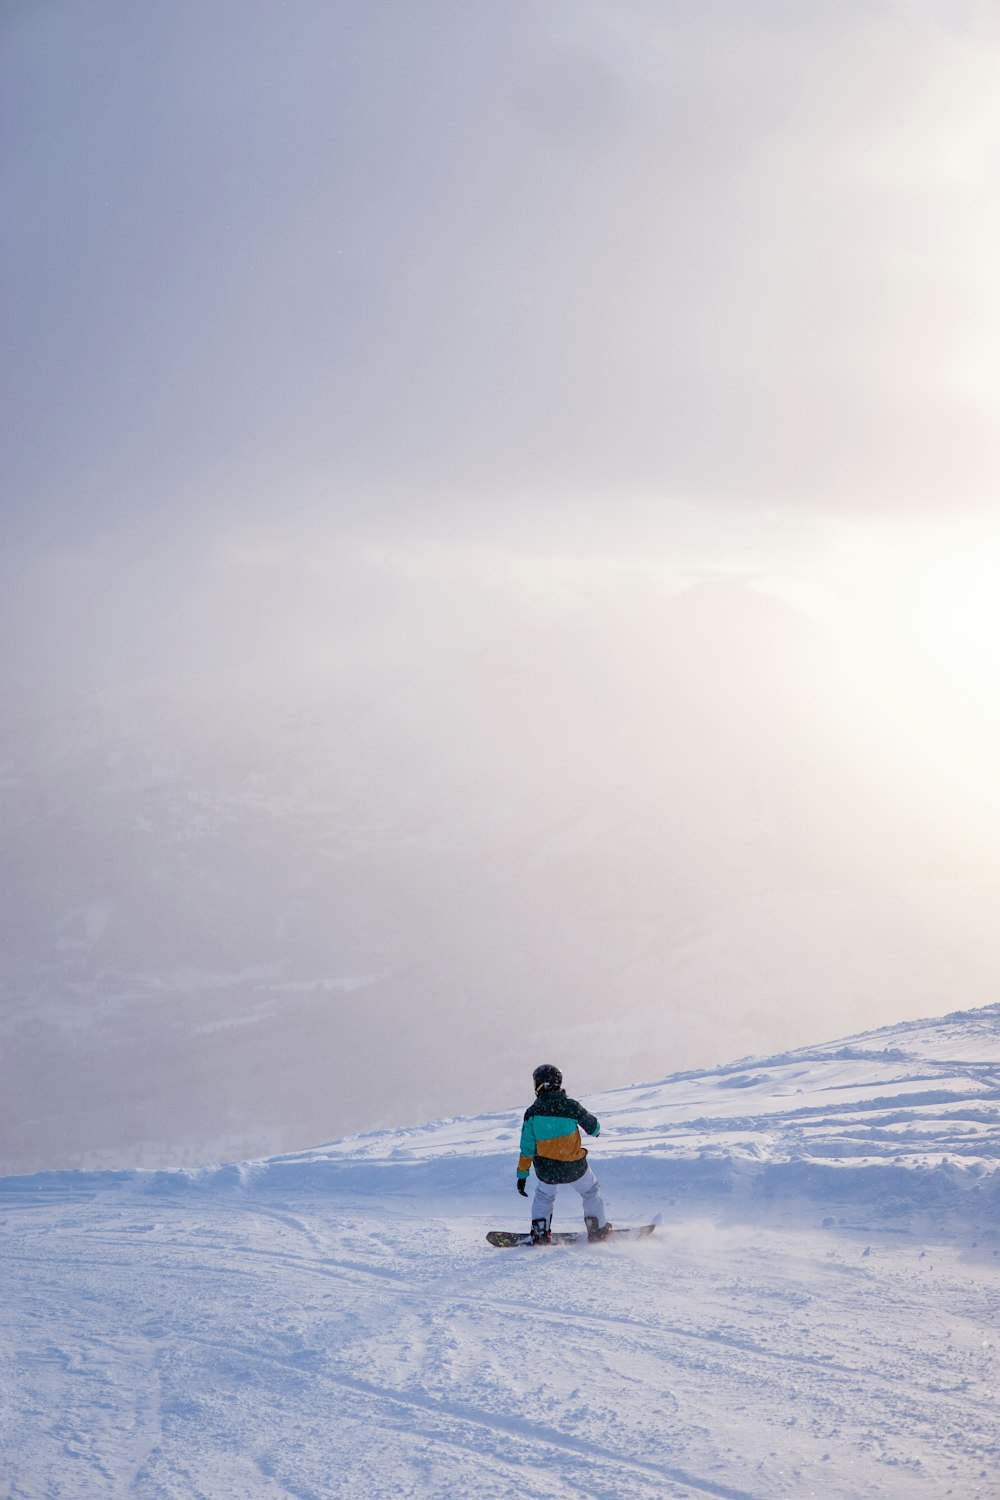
[{"x": 817, "y": 1314}]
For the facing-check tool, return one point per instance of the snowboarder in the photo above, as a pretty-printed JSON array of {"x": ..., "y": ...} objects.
[{"x": 550, "y": 1142}]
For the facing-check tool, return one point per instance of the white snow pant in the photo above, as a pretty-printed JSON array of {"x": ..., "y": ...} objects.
[{"x": 587, "y": 1186}]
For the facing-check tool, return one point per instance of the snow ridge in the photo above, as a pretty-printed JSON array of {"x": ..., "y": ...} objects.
[{"x": 905, "y": 1118}]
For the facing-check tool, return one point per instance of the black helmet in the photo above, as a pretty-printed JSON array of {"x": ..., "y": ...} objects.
[{"x": 547, "y": 1076}]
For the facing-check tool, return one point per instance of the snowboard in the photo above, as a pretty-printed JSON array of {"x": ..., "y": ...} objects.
[{"x": 505, "y": 1239}]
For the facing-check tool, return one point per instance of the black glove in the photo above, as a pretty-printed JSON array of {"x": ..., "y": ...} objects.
[{"x": 522, "y": 1187}]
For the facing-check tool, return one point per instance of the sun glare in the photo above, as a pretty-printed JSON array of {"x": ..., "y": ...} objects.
[
  {"x": 913, "y": 617},
  {"x": 957, "y": 620}
]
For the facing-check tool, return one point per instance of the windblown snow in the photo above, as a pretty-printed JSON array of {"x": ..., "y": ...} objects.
[{"x": 818, "y": 1313}]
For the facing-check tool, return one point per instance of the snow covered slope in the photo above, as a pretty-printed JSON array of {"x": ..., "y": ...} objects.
[
  {"x": 912, "y": 1110},
  {"x": 816, "y": 1316}
]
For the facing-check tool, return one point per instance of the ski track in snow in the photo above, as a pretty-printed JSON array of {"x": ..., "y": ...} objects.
[
  {"x": 229, "y": 1347},
  {"x": 333, "y": 1323}
]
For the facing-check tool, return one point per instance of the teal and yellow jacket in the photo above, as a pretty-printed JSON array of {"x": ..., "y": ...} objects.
[{"x": 550, "y": 1138}]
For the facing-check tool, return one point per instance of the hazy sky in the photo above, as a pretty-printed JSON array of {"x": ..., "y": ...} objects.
[
  {"x": 539, "y": 293},
  {"x": 445, "y": 260},
  {"x": 345, "y": 343}
]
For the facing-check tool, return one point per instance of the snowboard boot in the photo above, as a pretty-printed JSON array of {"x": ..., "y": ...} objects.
[
  {"x": 540, "y": 1232},
  {"x": 596, "y": 1231}
]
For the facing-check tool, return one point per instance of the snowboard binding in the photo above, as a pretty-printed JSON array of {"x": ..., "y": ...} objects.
[{"x": 596, "y": 1231}]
